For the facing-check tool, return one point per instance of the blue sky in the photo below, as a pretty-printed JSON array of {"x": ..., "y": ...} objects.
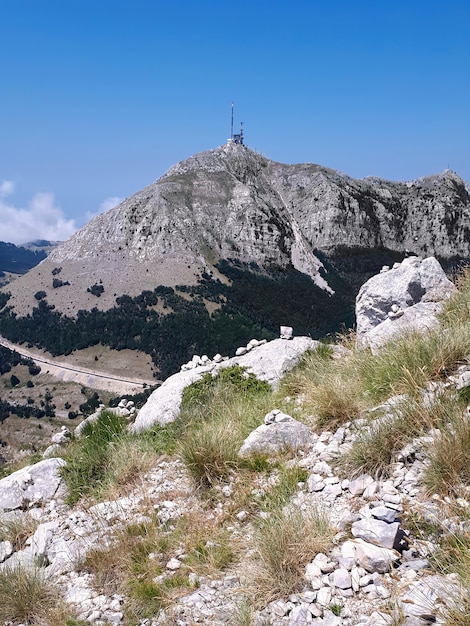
[{"x": 98, "y": 98}]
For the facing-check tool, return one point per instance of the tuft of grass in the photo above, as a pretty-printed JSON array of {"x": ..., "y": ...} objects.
[
  {"x": 448, "y": 471},
  {"x": 18, "y": 530},
  {"x": 27, "y": 597},
  {"x": 375, "y": 447},
  {"x": 131, "y": 457},
  {"x": 408, "y": 363},
  {"x": 217, "y": 414},
  {"x": 210, "y": 453},
  {"x": 285, "y": 542},
  {"x": 88, "y": 457},
  {"x": 328, "y": 388}
]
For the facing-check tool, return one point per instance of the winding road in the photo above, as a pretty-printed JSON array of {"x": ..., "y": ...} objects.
[{"x": 84, "y": 376}]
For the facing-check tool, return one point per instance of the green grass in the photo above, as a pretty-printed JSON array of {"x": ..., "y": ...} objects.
[
  {"x": 88, "y": 457},
  {"x": 218, "y": 413}
]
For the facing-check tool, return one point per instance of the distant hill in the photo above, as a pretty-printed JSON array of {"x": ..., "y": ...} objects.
[{"x": 20, "y": 259}]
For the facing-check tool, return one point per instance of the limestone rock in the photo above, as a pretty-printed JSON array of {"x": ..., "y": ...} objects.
[
  {"x": 31, "y": 485},
  {"x": 272, "y": 360},
  {"x": 276, "y": 436},
  {"x": 414, "y": 288},
  {"x": 374, "y": 558},
  {"x": 164, "y": 403},
  {"x": 376, "y": 531}
]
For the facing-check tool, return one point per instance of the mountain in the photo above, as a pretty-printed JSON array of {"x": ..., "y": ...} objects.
[
  {"x": 227, "y": 244},
  {"x": 19, "y": 259}
]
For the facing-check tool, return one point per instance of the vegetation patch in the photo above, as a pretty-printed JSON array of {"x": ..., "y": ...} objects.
[
  {"x": 285, "y": 542},
  {"x": 27, "y": 597}
]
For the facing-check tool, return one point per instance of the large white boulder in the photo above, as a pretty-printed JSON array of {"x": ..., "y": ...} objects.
[
  {"x": 279, "y": 433},
  {"x": 268, "y": 362},
  {"x": 31, "y": 486},
  {"x": 405, "y": 298}
]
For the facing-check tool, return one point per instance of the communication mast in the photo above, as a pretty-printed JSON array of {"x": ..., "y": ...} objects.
[{"x": 237, "y": 138}]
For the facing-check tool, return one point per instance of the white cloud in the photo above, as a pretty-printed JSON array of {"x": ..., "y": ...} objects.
[
  {"x": 42, "y": 219},
  {"x": 7, "y": 187},
  {"x": 106, "y": 205}
]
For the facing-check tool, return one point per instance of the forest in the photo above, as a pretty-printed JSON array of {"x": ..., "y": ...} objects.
[{"x": 253, "y": 305}]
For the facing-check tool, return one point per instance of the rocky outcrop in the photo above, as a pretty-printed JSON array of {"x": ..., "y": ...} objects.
[
  {"x": 31, "y": 486},
  {"x": 267, "y": 361},
  {"x": 405, "y": 298}
]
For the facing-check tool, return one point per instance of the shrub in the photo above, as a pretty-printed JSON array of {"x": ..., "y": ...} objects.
[{"x": 14, "y": 380}]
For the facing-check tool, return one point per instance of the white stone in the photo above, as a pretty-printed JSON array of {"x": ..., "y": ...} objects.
[
  {"x": 358, "y": 485},
  {"x": 376, "y": 532},
  {"x": 341, "y": 578},
  {"x": 286, "y": 332},
  {"x": 6, "y": 550},
  {"x": 324, "y": 596},
  {"x": 374, "y": 558}
]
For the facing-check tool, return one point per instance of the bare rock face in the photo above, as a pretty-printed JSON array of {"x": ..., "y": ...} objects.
[{"x": 407, "y": 297}]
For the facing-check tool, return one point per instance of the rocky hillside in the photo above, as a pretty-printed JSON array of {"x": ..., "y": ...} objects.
[
  {"x": 239, "y": 238},
  {"x": 295, "y": 484}
]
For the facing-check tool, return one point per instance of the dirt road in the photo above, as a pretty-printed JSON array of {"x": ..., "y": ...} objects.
[{"x": 89, "y": 378}]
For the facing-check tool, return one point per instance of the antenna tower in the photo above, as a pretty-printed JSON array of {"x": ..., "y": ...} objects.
[
  {"x": 231, "y": 126},
  {"x": 237, "y": 138}
]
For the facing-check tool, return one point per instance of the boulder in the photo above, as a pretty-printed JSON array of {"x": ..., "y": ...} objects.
[
  {"x": 374, "y": 558},
  {"x": 275, "y": 436},
  {"x": 163, "y": 405},
  {"x": 269, "y": 362},
  {"x": 407, "y": 297},
  {"x": 376, "y": 531},
  {"x": 31, "y": 485}
]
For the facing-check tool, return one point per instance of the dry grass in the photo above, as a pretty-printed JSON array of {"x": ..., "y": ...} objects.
[
  {"x": 27, "y": 597},
  {"x": 210, "y": 453},
  {"x": 130, "y": 460},
  {"x": 327, "y": 386},
  {"x": 448, "y": 468},
  {"x": 284, "y": 544},
  {"x": 18, "y": 530},
  {"x": 135, "y": 564}
]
